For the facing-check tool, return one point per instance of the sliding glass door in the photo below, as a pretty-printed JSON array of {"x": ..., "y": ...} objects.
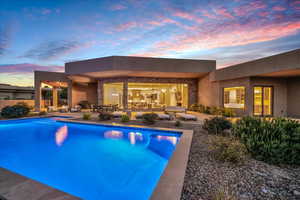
[{"x": 263, "y": 101}]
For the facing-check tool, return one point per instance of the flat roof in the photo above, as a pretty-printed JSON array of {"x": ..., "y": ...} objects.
[
  {"x": 113, "y": 66},
  {"x": 281, "y": 65}
]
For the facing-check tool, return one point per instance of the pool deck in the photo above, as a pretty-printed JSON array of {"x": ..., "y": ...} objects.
[{"x": 16, "y": 187}]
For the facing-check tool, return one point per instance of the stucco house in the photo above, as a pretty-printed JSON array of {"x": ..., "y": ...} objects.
[{"x": 265, "y": 87}]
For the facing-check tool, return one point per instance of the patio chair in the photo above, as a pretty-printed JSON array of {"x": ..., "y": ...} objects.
[
  {"x": 76, "y": 108},
  {"x": 51, "y": 109},
  {"x": 162, "y": 116},
  {"x": 175, "y": 109},
  {"x": 185, "y": 116},
  {"x": 64, "y": 108}
]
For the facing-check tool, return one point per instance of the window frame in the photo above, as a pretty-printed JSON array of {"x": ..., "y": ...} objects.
[{"x": 223, "y": 97}]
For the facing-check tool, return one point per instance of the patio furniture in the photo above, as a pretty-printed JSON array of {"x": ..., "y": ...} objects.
[
  {"x": 175, "y": 109},
  {"x": 76, "y": 108},
  {"x": 185, "y": 116},
  {"x": 118, "y": 114},
  {"x": 107, "y": 108},
  {"x": 51, "y": 109},
  {"x": 163, "y": 116},
  {"x": 64, "y": 108}
]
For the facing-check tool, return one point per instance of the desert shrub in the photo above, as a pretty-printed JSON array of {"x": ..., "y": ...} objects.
[
  {"x": 86, "y": 116},
  {"x": 207, "y": 110},
  {"x": 18, "y": 110},
  {"x": 84, "y": 104},
  {"x": 125, "y": 118},
  {"x": 216, "y": 125},
  {"x": 228, "y": 149},
  {"x": 178, "y": 123},
  {"x": 42, "y": 113},
  {"x": 194, "y": 107},
  {"x": 228, "y": 112},
  {"x": 149, "y": 118},
  {"x": 215, "y": 110},
  {"x": 223, "y": 194},
  {"x": 276, "y": 141},
  {"x": 104, "y": 116}
]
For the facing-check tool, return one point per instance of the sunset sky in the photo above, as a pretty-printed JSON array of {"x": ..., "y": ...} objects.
[{"x": 44, "y": 34}]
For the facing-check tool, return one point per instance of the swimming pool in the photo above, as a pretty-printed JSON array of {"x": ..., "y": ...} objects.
[{"x": 88, "y": 161}]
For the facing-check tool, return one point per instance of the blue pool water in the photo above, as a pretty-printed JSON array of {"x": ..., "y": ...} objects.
[{"x": 89, "y": 161}]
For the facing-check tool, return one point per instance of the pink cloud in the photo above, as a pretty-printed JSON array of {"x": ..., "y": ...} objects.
[
  {"x": 207, "y": 14},
  {"x": 223, "y": 12},
  {"x": 126, "y": 26},
  {"x": 278, "y": 8},
  {"x": 263, "y": 13},
  {"x": 248, "y": 8},
  {"x": 28, "y": 68},
  {"x": 118, "y": 7},
  {"x": 188, "y": 16},
  {"x": 238, "y": 35}
]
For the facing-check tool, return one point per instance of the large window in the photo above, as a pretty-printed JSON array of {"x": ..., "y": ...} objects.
[
  {"x": 113, "y": 94},
  {"x": 234, "y": 97},
  {"x": 263, "y": 101},
  {"x": 157, "y": 95}
]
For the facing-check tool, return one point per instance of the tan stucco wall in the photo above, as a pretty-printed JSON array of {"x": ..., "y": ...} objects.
[
  {"x": 208, "y": 91},
  {"x": 84, "y": 92},
  {"x": 285, "y": 61},
  {"x": 280, "y": 93},
  {"x": 293, "y": 97}
]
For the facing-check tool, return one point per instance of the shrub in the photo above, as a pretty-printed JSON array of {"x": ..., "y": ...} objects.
[
  {"x": 216, "y": 110},
  {"x": 149, "y": 118},
  {"x": 84, "y": 104},
  {"x": 276, "y": 141},
  {"x": 86, "y": 116},
  {"x": 228, "y": 112},
  {"x": 207, "y": 110},
  {"x": 42, "y": 113},
  {"x": 125, "y": 118},
  {"x": 104, "y": 116},
  {"x": 178, "y": 123},
  {"x": 194, "y": 107},
  {"x": 18, "y": 110},
  {"x": 216, "y": 125},
  {"x": 228, "y": 149}
]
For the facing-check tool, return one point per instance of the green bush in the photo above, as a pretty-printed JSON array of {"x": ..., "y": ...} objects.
[
  {"x": 194, "y": 107},
  {"x": 178, "y": 123},
  {"x": 86, "y": 116},
  {"x": 228, "y": 112},
  {"x": 228, "y": 149},
  {"x": 84, "y": 104},
  {"x": 149, "y": 118},
  {"x": 207, "y": 110},
  {"x": 276, "y": 141},
  {"x": 125, "y": 118},
  {"x": 105, "y": 116},
  {"x": 216, "y": 125},
  {"x": 15, "y": 111}
]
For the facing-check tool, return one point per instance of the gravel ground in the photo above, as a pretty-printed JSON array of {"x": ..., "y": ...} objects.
[{"x": 254, "y": 180}]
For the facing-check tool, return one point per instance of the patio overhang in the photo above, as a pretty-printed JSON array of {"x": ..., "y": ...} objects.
[{"x": 127, "y": 66}]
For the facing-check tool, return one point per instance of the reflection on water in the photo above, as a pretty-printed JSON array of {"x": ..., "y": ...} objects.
[
  {"x": 173, "y": 140},
  {"x": 113, "y": 134},
  {"x": 135, "y": 137},
  {"x": 61, "y": 135}
]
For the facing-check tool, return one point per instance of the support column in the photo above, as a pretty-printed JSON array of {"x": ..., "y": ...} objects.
[
  {"x": 70, "y": 105},
  {"x": 37, "y": 96},
  {"x": 100, "y": 93},
  {"x": 125, "y": 95},
  {"x": 54, "y": 97}
]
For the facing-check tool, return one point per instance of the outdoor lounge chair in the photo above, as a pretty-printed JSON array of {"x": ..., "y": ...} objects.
[
  {"x": 185, "y": 116},
  {"x": 64, "y": 108},
  {"x": 76, "y": 108},
  {"x": 175, "y": 109},
  {"x": 163, "y": 116}
]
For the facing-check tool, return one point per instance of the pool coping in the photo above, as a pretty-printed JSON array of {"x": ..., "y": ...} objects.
[{"x": 169, "y": 186}]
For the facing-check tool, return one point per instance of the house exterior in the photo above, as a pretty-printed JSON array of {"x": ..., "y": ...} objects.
[
  {"x": 265, "y": 87},
  {"x": 10, "y": 92}
]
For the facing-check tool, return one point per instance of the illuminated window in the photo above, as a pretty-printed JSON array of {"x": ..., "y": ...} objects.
[
  {"x": 234, "y": 97},
  {"x": 157, "y": 95},
  {"x": 113, "y": 94}
]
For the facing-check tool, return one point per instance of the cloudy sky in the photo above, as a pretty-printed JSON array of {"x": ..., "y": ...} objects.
[{"x": 44, "y": 34}]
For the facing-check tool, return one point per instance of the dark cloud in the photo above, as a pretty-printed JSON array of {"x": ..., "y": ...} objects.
[
  {"x": 53, "y": 49},
  {"x": 28, "y": 68},
  {"x": 4, "y": 40}
]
